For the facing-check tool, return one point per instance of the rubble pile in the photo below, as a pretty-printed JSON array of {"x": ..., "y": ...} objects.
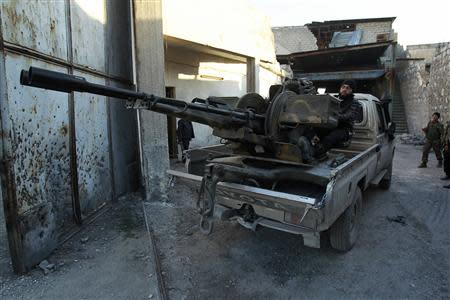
[{"x": 411, "y": 139}]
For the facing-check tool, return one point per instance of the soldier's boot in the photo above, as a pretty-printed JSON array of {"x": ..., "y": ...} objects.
[
  {"x": 423, "y": 165},
  {"x": 439, "y": 165}
]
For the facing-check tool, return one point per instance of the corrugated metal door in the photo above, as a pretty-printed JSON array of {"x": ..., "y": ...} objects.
[
  {"x": 56, "y": 148},
  {"x": 36, "y": 150}
]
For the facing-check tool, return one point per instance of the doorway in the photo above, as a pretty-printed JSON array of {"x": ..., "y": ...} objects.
[{"x": 172, "y": 127}]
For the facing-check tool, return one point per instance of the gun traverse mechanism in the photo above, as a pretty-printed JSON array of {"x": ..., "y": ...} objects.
[{"x": 263, "y": 135}]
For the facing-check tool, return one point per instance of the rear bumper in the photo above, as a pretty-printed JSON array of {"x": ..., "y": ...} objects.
[
  {"x": 310, "y": 238},
  {"x": 271, "y": 207}
]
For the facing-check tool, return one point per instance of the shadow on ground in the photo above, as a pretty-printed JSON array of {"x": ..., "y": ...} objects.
[
  {"x": 109, "y": 259},
  {"x": 392, "y": 259}
]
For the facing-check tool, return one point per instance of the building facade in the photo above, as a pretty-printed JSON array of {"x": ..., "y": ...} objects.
[{"x": 225, "y": 49}]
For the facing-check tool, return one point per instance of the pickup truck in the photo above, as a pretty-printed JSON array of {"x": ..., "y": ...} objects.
[{"x": 328, "y": 197}]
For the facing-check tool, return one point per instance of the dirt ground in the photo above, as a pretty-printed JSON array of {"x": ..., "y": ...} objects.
[
  {"x": 5, "y": 262},
  {"x": 109, "y": 259},
  {"x": 391, "y": 260}
]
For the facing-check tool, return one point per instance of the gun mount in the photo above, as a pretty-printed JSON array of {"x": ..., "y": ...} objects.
[{"x": 263, "y": 134}]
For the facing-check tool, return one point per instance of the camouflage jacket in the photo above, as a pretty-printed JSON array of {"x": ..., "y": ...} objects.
[
  {"x": 434, "y": 131},
  {"x": 446, "y": 136},
  {"x": 350, "y": 112}
]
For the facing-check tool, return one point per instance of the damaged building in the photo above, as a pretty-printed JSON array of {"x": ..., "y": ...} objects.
[
  {"x": 328, "y": 52},
  {"x": 422, "y": 76},
  {"x": 331, "y": 51},
  {"x": 366, "y": 50}
]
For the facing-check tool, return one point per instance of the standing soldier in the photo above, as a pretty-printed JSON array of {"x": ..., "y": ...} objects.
[
  {"x": 433, "y": 135},
  {"x": 446, "y": 143},
  {"x": 185, "y": 133}
]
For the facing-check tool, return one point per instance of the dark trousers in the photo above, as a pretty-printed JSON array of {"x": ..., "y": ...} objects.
[
  {"x": 335, "y": 138},
  {"x": 447, "y": 162},
  {"x": 185, "y": 144},
  {"x": 436, "y": 145}
]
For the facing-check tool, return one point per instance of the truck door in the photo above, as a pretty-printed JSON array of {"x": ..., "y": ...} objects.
[{"x": 382, "y": 139}]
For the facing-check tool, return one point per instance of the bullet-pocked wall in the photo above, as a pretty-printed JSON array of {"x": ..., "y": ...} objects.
[{"x": 65, "y": 155}]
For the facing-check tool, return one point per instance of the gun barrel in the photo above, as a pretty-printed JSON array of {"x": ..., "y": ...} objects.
[
  {"x": 206, "y": 114},
  {"x": 67, "y": 83}
]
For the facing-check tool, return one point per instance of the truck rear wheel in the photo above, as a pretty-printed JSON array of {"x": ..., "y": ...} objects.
[
  {"x": 344, "y": 232},
  {"x": 385, "y": 183}
]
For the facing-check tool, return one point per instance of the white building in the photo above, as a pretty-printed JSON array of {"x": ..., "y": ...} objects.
[{"x": 216, "y": 48}]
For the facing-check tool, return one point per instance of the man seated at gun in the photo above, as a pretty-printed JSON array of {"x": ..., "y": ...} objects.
[{"x": 350, "y": 111}]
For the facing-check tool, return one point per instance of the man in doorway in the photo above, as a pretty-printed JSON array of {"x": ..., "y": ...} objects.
[
  {"x": 185, "y": 133},
  {"x": 433, "y": 136},
  {"x": 350, "y": 111}
]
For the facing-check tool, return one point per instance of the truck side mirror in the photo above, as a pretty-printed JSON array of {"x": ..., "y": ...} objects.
[{"x": 391, "y": 130}]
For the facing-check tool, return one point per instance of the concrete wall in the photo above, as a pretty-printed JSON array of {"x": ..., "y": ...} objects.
[
  {"x": 372, "y": 29},
  {"x": 439, "y": 85},
  {"x": 413, "y": 79},
  {"x": 195, "y": 74},
  {"x": 229, "y": 26},
  {"x": 232, "y": 25},
  {"x": 425, "y": 51},
  {"x": 149, "y": 46},
  {"x": 424, "y": 93},
  {"x": 267, "y": 77},
  {"x": 291, "y": 39}
]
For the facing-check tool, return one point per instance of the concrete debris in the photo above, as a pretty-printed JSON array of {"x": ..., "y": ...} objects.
[
  {"x": 140, "y": 255},
  {"x": 397, "y": 219},
  {"x": 47, "y": 267},
  {"x": 411, "y": 139}
]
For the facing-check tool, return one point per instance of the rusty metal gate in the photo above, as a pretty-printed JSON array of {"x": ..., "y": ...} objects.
[{"x": 64, "y": 156}]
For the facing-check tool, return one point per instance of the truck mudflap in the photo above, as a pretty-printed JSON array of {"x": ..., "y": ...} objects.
[{"x": 254, "y": 196}]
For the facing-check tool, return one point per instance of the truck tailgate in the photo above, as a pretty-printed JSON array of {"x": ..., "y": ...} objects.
[{"x": 254, "y": 195}]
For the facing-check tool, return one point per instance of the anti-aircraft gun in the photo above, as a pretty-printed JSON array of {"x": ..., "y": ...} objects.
[{"x": 263, "y": 135}]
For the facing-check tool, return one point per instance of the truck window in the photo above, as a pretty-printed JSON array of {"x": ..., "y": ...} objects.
[
  {"x": 360, "y": 116},
  {"x": 387, "y": 116},
  {"x": 381, "y": 121}
]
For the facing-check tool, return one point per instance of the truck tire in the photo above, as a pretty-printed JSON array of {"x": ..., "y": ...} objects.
[
  {"x": 385, "y": 183},
  {"x": 344, "y": 232}
]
